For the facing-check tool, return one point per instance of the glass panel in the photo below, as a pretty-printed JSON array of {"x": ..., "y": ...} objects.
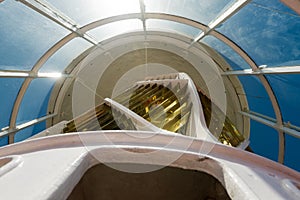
[
  {"x": 35, "y": 101},
  {"x": 154, "y": 24},
  {"x": 269, "y": 36},
  {"x": 287, "y": 90},
  {"x": 264, "y": 140},
  {"x": 29, "y": 131},
  {"x": 110, "y": 30},
  {"x": 257, "y": 96},
  {"x": 3, "y": 141},
  {"x": 9, "y": 88},
  {"x": 276, "y": 5},
  {"x": 193, "y": 9},
  {"x": 84, "y": 12},
  {"x": 233, "y": 58},
  {"x": 291, "y": 158},
  {"x": 64, "y": 56},
  {"x": 24, "y": 36}
]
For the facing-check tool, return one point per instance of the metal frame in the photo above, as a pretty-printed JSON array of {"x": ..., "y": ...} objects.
[
  {"x": 30, "y": 74},
  {"x": 262, "y": 70},
  {"x": 56, "y": 16},
  {"x": 227, "y": 14},
  {"x": 287, "y": 127},
  {"x": 28, "y": 80},
  {"x": 142, "y": 8},
  {"x": 11, "y": 132}
]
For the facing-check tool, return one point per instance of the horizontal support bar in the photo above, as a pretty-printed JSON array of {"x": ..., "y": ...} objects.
[
  {"x": 6, "y": 131},
  {"x": 266, "y": 70},
  {"x": 7, "y": 74},
  {"x": 52, "y": 75},
  {"x": 272, "y": 123},
  {"x": 30, "y": 74}
]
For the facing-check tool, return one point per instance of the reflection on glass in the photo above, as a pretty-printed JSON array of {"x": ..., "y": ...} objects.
[
  {"x": 35, "y": 101},
  {"x": 109, "y": 30},
  {"x": 257, "y": 96},
  {"x": 156, "y": 24},
  {"x": 9, "y": 88},
  {"x": 3, "y": 141},
  {"x": 269, "y": 36},
  {"x": 65, "y": 55},
  {"x": 283, "y": 86},
  {"x": 84, "y": 12},
  {"x": 233, "y": 58},
  {"x": 194, "y": 9},
  {"x": 274, "y": 5},
  {"x": 291, "y": 154},
  {"x": 25, "y": 36}
]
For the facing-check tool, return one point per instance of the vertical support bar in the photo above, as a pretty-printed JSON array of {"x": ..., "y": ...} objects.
[{"x": 11, "y": 138}]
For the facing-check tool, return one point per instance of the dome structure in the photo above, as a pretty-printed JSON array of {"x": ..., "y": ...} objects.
[{"x": 61, "y": 58}]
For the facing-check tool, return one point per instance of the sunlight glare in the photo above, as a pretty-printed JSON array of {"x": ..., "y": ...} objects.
[{"x": 115, "y": 7}]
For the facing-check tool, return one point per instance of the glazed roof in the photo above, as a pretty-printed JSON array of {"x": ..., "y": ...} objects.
[{"x": 260, "y": 39}]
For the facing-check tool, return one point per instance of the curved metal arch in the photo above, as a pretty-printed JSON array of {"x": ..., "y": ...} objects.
[
  {"x": 162, "y": 16},
  {"x": 27, "y": 81},
  {"x": 266, "y": 85}
]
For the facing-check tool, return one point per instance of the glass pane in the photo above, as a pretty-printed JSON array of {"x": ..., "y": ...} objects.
[
  {"x": 264, "y": 140},
  {"x": 3, "y": 141},
  {"x": 64, "y": 56},
  {"x": 83, "y": 12},
  {"x": 233, "y": 58},
  {"x": 257, "y": 96},
  {"x": 35, "y": 101},
  {"x": 9, "y": 88},
  {"x": 291, "y": 157},
  {"x": 287, "y": 91},
  {"x": 25, "y": 36},
  {"x": 29, "y": 131},
  {"x": 274, "y": 5},
  {"x": 271, "y": 37},
  {"x": 193, "y": 9},
  {"x": 109, "y": 30},
  {"x": 154, "y": 24}
]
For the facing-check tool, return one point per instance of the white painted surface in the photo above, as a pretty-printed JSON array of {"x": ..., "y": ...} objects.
[{"x": 53, "y": 173}]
